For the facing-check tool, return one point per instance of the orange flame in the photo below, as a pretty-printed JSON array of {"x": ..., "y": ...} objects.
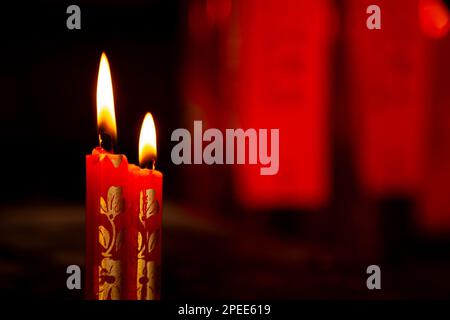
[
  {"x": 106, "y": 118},
  {"x": 147, "y": 141}
]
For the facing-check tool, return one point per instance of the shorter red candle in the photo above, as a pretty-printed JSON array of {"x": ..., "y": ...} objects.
[{"x": 143, "y": 220}]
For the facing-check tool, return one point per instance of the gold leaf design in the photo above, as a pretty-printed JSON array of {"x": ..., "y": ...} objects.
[
  {"x": 141, "y": 245},
  {"x": 109, "y": 269},
  {"x": 151, "y": 276},
  {"x": 103, "y": 207},
  {"x": 114, "y": 201},
  {"x": 111, "y": 208},
  {"x": 152, "y": 204},
  {"x": 109, "y": 279},
  {"x": 148, "y": 205},
  {"x": 146, "y": 280},
  {"x": 103, "y": 236},
  {"x": 141, "y": 206},
  {"x": 152, "y": 240},
  {"x": 141, "y": 279},
  {"x": 153, "y": 209},
  {"x": 139, "y": 241}
]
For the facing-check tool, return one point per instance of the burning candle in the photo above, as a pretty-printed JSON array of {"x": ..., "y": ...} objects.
[
  {"x": 144, "y": 197},
  {"x": 123, "y": 209},
  {"x": 106, "y": 177}
]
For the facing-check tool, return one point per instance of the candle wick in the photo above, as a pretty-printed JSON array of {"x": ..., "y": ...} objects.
[
  {"x": 150, "y": 164},
  {"x": 106, "y": 141}
]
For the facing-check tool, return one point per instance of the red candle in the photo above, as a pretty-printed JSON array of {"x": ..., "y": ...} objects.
[
  {"x": 106, "y": 177},
  {"x": 144, "y": 217}
]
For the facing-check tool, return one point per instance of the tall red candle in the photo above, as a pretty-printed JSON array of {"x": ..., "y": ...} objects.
[
  {"x": 106, "y": 178},
  {"x": 144, "y": 218}
]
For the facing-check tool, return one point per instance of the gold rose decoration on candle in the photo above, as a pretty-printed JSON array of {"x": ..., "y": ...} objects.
[{"x": 110, "y": 269}]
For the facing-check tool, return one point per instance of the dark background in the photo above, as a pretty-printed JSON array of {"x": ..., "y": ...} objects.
[{"x": 214, "y": 247}]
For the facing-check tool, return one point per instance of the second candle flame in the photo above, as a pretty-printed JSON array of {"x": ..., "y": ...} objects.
[{"x": 147, "y": 142}]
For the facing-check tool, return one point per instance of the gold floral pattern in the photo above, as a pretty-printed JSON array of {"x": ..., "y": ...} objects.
[
  {"x": 147, "y": 270},
  {"x": 148, "y": 205},
  {"x": 146, "y": 289},
  {"x": 110, "y": 278},
  {"x": 110, "y": 269}
]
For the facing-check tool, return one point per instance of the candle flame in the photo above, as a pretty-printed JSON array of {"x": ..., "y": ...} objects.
[
  {"x": 106, "y": 119},
  {"x": 147, "y": 141}
]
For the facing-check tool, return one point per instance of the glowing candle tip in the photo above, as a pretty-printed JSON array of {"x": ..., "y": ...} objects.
[
  {"x": 106, "y": 118},
  {"x": 147, "y": 142}
]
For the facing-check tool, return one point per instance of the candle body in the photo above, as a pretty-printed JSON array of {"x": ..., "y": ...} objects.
[
  {"x": 143, "y": 236},
  {"x": 106, "y": 177}
]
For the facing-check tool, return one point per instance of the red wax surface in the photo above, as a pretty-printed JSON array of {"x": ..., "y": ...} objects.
[
  {"x": 144, "y": 218},
  {"x": 123, "y": 229},
  {"x": 106, "y": 176}
]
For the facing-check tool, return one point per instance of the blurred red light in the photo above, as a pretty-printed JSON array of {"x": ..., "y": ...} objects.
[
  {"x": 218, "y": 10},
  {"x": 434, "y": 18}
]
